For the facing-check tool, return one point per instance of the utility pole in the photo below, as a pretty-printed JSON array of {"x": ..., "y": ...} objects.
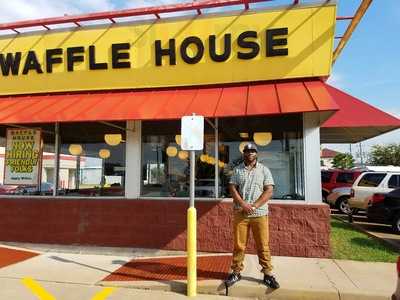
[{"x": 361, "y": 155}]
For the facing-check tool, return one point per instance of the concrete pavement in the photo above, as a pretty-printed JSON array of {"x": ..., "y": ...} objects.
[{"x": 79, "y": 276}]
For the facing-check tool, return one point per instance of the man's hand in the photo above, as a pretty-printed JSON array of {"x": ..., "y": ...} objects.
[{"x": 247, "y": 208}]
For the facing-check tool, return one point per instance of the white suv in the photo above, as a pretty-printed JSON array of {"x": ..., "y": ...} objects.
[{"x": 370, "y": 183}]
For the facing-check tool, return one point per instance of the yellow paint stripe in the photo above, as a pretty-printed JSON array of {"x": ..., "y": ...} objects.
[
  {"x": 37, "y": 290},
  {"x": 104, "y": 293}
]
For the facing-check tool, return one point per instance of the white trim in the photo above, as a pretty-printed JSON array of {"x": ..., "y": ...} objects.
[
  {"x": 133, "y": 159},
  {"x": 312, "y": 169}
]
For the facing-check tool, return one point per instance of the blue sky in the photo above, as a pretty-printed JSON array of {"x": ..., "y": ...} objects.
[{"x": 367, "y": 68}]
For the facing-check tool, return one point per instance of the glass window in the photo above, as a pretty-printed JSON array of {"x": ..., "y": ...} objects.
[
  {"x": 280, "y": 148},
  {"x": 165, "y": 166},
  {"x": 92, "y": 159},
  {"x": 394, "y": 182},
  {"x": 344, "y": 177},
  {"x": 326, "y": 176},
  {"x": 47, "y": 162},
  {"x": 371, "y": 180}
]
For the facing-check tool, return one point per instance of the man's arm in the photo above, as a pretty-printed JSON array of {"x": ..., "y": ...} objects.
[
  {"x": 238, "y": 199},
  {"x": 265, "y": 196}
]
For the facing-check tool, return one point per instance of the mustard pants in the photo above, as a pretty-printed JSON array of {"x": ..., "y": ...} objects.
[{"x": 241, "y": 228}]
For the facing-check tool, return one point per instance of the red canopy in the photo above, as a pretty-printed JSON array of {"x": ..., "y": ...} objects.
[
  {"x": 246, "y": 100},
  {"x": 355, "y": 121}
]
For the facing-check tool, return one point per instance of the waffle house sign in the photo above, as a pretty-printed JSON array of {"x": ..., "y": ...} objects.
[{"x": 242, "y": 47}]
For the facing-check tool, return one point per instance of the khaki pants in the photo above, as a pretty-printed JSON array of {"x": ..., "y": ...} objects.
[{"x": 241, "y": 228}]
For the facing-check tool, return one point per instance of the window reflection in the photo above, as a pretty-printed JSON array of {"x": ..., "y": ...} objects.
[
  {"x": 165, "y": 166},
  {"x": 279, "y": 142},
  {"x": 92, "y": 159}
]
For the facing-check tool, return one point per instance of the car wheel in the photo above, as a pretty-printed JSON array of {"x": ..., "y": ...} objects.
[
  {"x": 343, "y": 205},
  {"x": 396, "y": 224}
]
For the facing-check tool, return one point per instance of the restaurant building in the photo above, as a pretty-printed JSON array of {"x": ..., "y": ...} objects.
[{"x": 90, "y": 123}]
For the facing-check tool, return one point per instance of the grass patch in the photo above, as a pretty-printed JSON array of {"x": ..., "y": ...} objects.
[{"x": 349, "y": 243}]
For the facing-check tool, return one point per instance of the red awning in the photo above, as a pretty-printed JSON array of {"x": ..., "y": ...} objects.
[
  {"x": 355, "y": 121},
  {"x": 246, "y": 100}
]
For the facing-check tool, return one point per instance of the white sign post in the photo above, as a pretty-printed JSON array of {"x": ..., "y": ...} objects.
[{"x": 192, "y": 138}]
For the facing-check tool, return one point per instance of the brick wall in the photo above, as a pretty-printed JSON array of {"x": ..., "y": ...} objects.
[{"x": 295, "y": 229}]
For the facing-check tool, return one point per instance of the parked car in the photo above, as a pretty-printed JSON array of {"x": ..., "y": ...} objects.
[
  {"x": 396, "y": 295},
  {"x": 336, "y": 178},
  {"x": 370, "y": 183},
  {"x": 7, "y": 189},
  {"x": 46, "y": 188},
  {"x": 385, "y": 209},
  {"x": 339, "y": 199}
]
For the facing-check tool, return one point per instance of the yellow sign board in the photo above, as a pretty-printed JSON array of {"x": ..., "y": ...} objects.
[
  {"x": 198, "y": 50},
  {"x": 23, "y": 157}
]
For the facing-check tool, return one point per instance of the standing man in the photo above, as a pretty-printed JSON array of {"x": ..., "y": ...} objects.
[{"x": 251, "y": 187}]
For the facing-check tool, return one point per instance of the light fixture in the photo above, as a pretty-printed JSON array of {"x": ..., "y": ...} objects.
[
  {"x": 75, "y": 149},
  {"x": 241, "y": 146},
  {"x": 203, "y": 158},
  {"x": 104, "y": 153},
  {"x": 221, "y": 164},
  {"x": 244, "y": 135},
  {"x": 183, "y": 155},
  {"x": 172, "y": 151},
  {"x": 262, "y": 138},
  {"x": 211, "y": 160},
  {"x": 178, "y": 139},
  {"x": 113, "y": 139}
]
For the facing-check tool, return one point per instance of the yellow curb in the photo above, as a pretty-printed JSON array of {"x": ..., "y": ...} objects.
[
  {"x": 37, "y": 290},
  {"x": 104, "y": 293}
]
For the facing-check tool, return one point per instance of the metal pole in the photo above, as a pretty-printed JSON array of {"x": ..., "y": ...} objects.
[
  {"x": 191, "y": 234},
  {"x": 216, "y": 159},
  {"x": 56, "y": 159},
  {"x": 192, "y": 181}
]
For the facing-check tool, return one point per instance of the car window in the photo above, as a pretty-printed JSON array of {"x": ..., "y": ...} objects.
[
  {"x": 372, "y": 179},
  {"x": 394, "y": 182},
  {"x": 326, "y": 176},
  {"x": 345, "y": 178}
]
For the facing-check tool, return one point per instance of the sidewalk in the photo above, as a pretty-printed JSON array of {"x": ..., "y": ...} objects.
[{"x": 68, "y": 275}]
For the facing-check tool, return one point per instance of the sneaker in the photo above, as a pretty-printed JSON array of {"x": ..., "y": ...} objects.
[
  {"x": 270, "y": 281},
  {"x": 232, "y": 279}
]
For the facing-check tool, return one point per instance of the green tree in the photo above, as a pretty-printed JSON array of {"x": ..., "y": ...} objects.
[
  {"x": 343, "y": 161},
  {"x": 385, "y": 155}
]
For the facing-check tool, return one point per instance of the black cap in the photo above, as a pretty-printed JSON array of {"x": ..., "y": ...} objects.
[{"x": 250, "y": 146}]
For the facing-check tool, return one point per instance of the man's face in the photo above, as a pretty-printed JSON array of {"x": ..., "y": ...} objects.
[{"x": 250, "y": 155}]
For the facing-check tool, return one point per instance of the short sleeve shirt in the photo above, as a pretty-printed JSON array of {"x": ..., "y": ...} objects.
[{"x": 250, "y": 184}]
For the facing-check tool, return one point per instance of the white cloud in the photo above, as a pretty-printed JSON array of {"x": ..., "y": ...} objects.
[{"x": 17, "y": 10}]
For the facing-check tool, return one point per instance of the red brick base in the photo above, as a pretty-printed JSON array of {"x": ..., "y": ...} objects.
[{"x": 295, "y": 229}]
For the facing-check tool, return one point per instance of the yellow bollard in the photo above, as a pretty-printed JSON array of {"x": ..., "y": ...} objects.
[{"x": 191, "y": 252}]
